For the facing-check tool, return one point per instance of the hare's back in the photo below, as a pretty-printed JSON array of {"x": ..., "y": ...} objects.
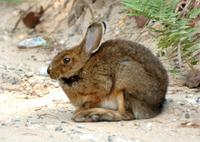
[{"x": 119, "y": 49}]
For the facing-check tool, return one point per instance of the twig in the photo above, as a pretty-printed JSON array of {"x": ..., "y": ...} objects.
[
  {"x": 197, "y": 54},
  {"x": 188, "y": 4},
  {"x": 179, "y": 55},
  {"x": 140, "y": 34},
  {"x": 187, "y": 7}
]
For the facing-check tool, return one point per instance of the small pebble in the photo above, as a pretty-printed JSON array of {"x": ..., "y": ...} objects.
[
  {"x": 16, "y": 120},
  {"x": 71, "y": 34},
  {"x": 121, "y": 124},
  {"x": 14, "y": 81},
  {"x": 110, "y": 139},
  {"x": 180, "y": 103},
  {"x": 29, "y": 74},
  {"x": 80, "y": 126},
  {"x": 149, "y": 125},
  {"x": 3, "y": 124},
  {"x": 20, "y": 70},
  {"x": 63, "y": 122},
  {"x": 43, "y": 71},
  {"x": 59, "y": 128},
  {"x": 187, "y": 115},
  {"x": 198, "y": 100},
  {"x": 62, "y": 42}
]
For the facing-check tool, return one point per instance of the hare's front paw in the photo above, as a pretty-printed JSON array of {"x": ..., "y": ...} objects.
[
  {"x": 97, "y": 114},
  {"x": 87, "y": 116},
  {"x": 100, "y": 114}
]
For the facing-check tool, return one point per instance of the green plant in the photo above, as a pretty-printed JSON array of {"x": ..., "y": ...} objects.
[
  {"x": 12, "y": 1},
  {"x": 176, "y": 34}
]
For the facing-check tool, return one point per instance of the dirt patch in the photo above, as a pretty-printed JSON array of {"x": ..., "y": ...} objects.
[{"x": 34, "y": 108}]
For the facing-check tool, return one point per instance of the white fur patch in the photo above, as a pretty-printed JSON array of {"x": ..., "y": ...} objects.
[{"x": 109, "y": 104}]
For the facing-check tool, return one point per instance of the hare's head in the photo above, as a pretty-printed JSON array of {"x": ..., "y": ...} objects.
[{"x": 68, "y": 62}]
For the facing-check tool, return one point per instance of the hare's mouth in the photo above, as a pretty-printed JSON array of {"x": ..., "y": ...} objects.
[{"x": 69, "y": 81}]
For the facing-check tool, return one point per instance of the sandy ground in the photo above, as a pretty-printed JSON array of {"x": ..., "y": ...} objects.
[{"x": 33, "y": 108}]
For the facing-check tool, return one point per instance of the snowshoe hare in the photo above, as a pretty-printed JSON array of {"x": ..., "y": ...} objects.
[{"x": 113, "y": 81}]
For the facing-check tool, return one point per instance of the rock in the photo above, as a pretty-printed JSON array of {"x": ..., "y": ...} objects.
[
  {"x": 34, "y": 58},
  {"x": 29, "y": 74},
  {"x": 187, "y": 115},
  {"x": 110, "y": 139},
  {"x": 32, "y": 42},
  {"x": 43, "y": 71},
  {"x": 193, "y": 79},
  {"x": 181, "y": 103},
  {"x": 3, "y": 124},
  {"x": 62, "y": 42},
  {"x": 59, "y": 128},
  {"x": 80, "y": 126},
  {"x": 141, "y": 21},
  {"x": 137, "y": 124},
  {"x": 71, "y": 34},
  {"x": 121, "y": 124},
  {"x": 149, "y": 126},
  {"x": 21, "y": 70},
  {"x": 198, "y": 100},
  {"x": 14, "y": 81}
]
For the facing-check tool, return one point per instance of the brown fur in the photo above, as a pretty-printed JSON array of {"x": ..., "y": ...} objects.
[{"x": 123, "y": 80}]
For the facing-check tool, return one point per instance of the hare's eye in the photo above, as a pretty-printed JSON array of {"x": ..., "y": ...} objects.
[{"x": 66, "y": 60}]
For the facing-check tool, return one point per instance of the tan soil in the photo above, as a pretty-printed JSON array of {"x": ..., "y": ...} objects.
[{"x": 33, "y": 108}]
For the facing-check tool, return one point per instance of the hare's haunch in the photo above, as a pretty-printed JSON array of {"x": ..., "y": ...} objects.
[{"x": 113, "y": 81}]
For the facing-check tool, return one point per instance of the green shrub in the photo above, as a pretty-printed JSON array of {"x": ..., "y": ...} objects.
[
  {"x": 176, "y": 34},
  {"x": 12, "y": 1}
]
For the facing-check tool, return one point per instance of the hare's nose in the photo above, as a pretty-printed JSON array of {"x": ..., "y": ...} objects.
[{"x": 48, "y": 70}]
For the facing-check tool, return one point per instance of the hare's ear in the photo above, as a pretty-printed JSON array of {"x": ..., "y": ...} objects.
[{"x": 92, "y": 38}]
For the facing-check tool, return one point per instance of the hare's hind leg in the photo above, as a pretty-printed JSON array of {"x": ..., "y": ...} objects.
[
  {"x": 141, "y": 90},
  {"x": 140, "y": 109},
  {"x": 104, "y": 113}
]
